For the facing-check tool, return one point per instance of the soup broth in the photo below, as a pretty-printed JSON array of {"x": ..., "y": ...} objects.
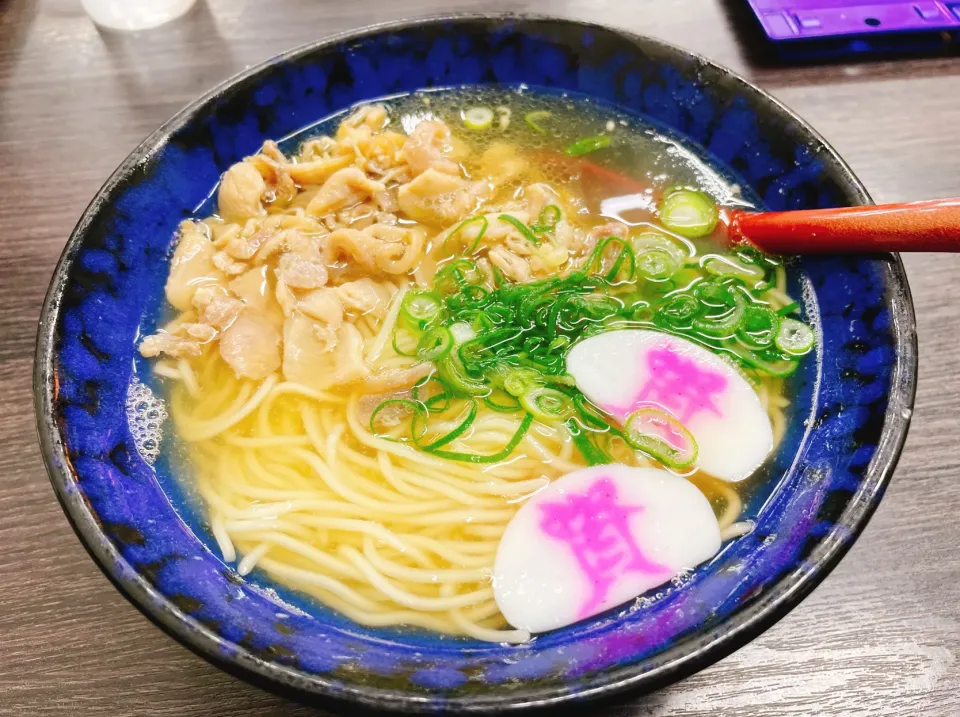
[{"x": 368, "y": 358}]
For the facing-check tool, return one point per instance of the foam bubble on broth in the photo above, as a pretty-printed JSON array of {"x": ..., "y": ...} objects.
[{"x": 146, "y": 414}]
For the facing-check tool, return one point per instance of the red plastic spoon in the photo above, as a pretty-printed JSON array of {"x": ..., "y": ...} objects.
[{"x": 913, "y": 226}]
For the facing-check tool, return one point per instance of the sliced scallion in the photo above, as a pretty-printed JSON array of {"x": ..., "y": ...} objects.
[
  {"x": 492, "y": 458},
  {"x": 454, "y": 434},
  {"x": 449, "y": 241},
  {"x": 547, "y": 405},
  {"x": 400, "y": 405},
  {"x": 794, "y": 337},
  {"x": 453, "y": 375},
  {"x": 519, "y": 381},
  {"x": 547, "y": 222},
  {"x": 582, "y": 439},
  {"x": 658, "y": 258},
  {"x": 722, "y": 310},
  {"x": 510, "y": 404},
  {"x": 477, "y": 118},
  {"x": 421, "y": 308},
  {"x": 435, "y": 344},
  {"x": 462, "y": 332},
  {"x": 587, "y": 145},
  {"x": 533, "y": 120},
  {"x": 728, "y": 266},
  {"x": 505, "y": 113},
  {"x": 405, "y": 341},
  {"x": 688, "y": 213},
  {"x": 677, "y": 312},
  {"x": 758, "y": 328},
  {"x": 660, "y": 436},
  {"x": 761, "y": 361},
  {"x": 520, "y": 227}
]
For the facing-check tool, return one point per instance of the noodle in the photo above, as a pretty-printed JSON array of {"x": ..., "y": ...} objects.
[
  {"x": 296, "y": 482},
  {"x": 415, "y": 503}
]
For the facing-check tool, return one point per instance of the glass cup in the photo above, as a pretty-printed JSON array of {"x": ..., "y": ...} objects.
[{"x": 134, "y": 14}]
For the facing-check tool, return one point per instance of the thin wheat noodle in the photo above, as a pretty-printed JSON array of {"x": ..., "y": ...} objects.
[
  {"x": 198, "y": 431},
  {"x": 377, "y": 345},
  {"x": 250, "y": 560},
  {"x": 408, "y": 599},
  {"x": 421, "y": 575},
  {"x": 167, "y": 371},
  {"x": 298, "y": 486},
  {"x": 188, "y": 377}
]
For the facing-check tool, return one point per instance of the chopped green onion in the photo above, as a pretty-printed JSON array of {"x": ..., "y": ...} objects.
[
  {"x": 727, "y": 266},
  {"x": 421, "y": 308},
  {"x": 495, "y": 457},
  {"x": 591, "y": 454},
  {"x": 789, "y": 309},
  {"x": 794, "y": 338},
  {"x": 726, "y": 309},
  {"x": 690, "y": 214},
  {"x": 625, "y": 254},
  {"x": 778, "y": 367},
  {"x": 435, "y": 344},
  {"x": 642, "y": 311},
  {"x": 748, "y": 254},
  {"x": 547, "y": 405},
  {"x": 452, "y": 277},
  {"x": 462, "y": 332},
  {"x": 533, "y": 120},
  {"x": 597, "y": 307},
  {"x": 414, "y": 407},
  {"x": 405, "y": 341},
  {"x": 520, "y": 227},
  {"x": 477, "y": 118},
  {"x": 758, "y": 328},
  {"x": 521, "y": 380},
  {"x": 439, "y": 401},
  {"x": 658, "y": 258},
  {"x": 589, "y": 416},
  {"x": 460, "y": 429},
  {"x": 482, "y": 220},
  {"x": 662, "y": 437},
  {"x": 469, "y": 297},
  {"x": 678, "y": 312},
  {"x": 547, "y": 222},
  {"x": 514, "y": 405},
  {"x": 587, "y": 145},
  {"x": 453, "y": 375},
  {"x": 506, "y": 344}
]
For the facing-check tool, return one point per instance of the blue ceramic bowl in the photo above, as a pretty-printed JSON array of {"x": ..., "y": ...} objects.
[{"x": 853, "y": 403}]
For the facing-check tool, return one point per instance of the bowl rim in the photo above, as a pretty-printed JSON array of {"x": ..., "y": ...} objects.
[{"x": 748, "y": 623}]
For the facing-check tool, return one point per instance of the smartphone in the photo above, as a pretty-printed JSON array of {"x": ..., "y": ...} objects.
[{"x": 810, "y": 29}]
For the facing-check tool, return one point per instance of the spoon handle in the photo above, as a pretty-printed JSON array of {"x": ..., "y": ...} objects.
[{"x": 913, "y": 226}]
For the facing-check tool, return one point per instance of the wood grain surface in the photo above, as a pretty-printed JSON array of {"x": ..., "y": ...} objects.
[{"x": 880, "y": 637}]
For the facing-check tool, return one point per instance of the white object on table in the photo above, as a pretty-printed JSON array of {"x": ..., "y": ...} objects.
[{"x": 135, "y": 14}]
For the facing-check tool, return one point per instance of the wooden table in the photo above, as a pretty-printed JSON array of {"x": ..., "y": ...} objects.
[{"x": 879, "y": 637}]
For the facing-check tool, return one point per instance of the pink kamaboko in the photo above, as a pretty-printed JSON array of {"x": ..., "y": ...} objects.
[
  {"x": 595, "y": 525},
  {"x": 678, "y": 385}
]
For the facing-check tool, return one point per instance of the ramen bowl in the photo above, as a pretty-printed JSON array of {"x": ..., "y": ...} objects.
[{"x": 852, "y": 403}]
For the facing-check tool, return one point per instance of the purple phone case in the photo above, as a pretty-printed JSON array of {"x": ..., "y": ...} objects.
[{"x": 807, "y": 19}]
